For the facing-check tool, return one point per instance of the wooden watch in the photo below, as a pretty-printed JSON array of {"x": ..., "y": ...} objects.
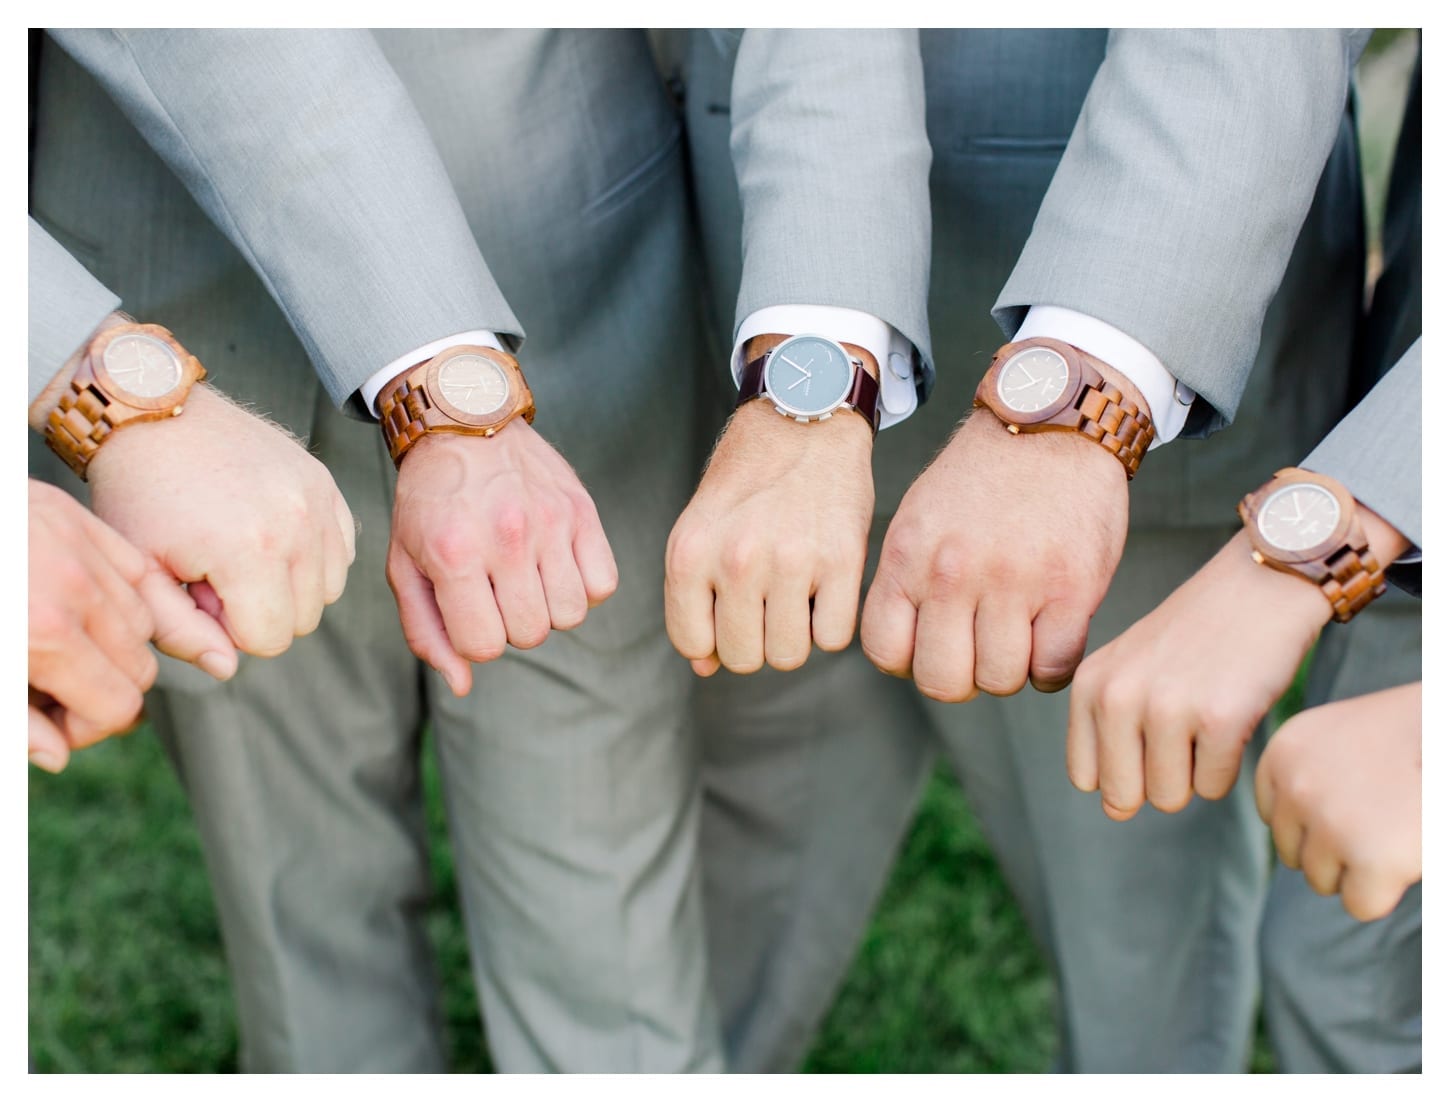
[
  {"x": 809, "y": 377},
  {"x": 468, "y": 389},
  {"x": 129, "y": 374},
  {"x": 1308, "y": 524},
  {"x": 1045, "y": 385}
]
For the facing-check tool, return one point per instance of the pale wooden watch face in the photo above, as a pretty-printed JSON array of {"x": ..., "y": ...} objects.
[
  {"x": 142, "y": 365},
  {"x": 473, "y": 384},
  {"x": 1299, "y": 517},
  {"x": 1032, "y": 380}
]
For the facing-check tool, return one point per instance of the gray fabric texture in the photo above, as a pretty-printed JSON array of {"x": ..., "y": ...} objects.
[{"x": 66, "y": 304}]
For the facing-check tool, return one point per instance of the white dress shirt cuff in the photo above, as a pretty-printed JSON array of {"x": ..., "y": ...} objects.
[
  {"x": 386, "y": 374},
  {"x": 1168, "y": 399},
  {"x": 893, "y": 352}
]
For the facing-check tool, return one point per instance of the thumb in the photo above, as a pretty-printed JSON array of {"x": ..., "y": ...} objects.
[{"x": 185, "y": 628}]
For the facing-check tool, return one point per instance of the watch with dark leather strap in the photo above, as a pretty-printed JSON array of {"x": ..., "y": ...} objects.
[
  {"x": 130, "y": 374},
  {"x": 468, "y": 389},
  {"x": 809, "y": 377},
  {"x": 1308, "y": 524},
  {"x": 1045, "y": 385}
]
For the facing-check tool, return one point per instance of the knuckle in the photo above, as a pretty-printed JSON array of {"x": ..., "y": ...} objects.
[
  {"x": 685, "y": 553},
  {"x": 737, "y": 560},
  {"x": 530, "y": 635},
  {"x": 788, "y": 659},
  {"x": 511, "y": 530},
  {"x": 452, "y": 549},
  {"x": 1119, "y": 694},
  {"x": 1171, "y": 802},
  {"x": 949, "y": 569},
  {"x": 943, "y": 691}
]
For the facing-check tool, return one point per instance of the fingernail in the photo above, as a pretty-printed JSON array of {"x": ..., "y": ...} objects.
[
  {"x": 219, "y": 665},
  {"x": 51, "y": 761}
]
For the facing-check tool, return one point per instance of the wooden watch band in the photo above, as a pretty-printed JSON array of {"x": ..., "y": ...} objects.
[
  {"x": 1355, "y": 579},
  {"x": 1115, "y": 423},
  {"x": 402, "y": 410}
]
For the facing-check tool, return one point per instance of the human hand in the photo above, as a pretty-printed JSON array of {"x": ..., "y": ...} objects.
[
  {"x": 769, "y": 553},
  {"x": 1165, "y": 710},
  {"x": 494, "y": 541},
  {"x": 1339, "y": 786},
  {"x": 998, "y": 556},
  {"x": 222, "y": 496},
  {"x": 94, "y": 603}
]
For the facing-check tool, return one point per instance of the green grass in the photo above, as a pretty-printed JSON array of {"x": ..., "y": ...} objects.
[{"x": 127, "y": 974}]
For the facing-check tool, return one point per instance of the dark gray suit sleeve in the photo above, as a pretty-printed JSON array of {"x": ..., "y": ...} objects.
[
  {"x": 1177, "y": 203},
  {"x": 67, "y": 303},
  {"x": 305, "y": 149},
  {"x": 828, "y": 136},
  {"x": 1375, "y": 450}
]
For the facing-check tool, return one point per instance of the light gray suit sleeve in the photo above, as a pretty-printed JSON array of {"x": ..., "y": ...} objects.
[
  {"x": 305, "y": 149},
  {"x": 1375, "y": 450},
  {"x": 828, "y": 136},
  {"x": 1177, "y": 203},
  {"x": 67, "y": 303}
]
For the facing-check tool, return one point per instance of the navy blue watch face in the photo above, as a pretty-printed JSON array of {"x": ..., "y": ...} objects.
[{"x": 808, "y": 376}]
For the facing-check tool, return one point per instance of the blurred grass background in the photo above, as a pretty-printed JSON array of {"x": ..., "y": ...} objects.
[{"x": 126, "y": 966}]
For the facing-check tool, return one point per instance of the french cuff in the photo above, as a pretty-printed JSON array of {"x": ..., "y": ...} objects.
[
  {"x": 894, "y": 353},
  {"x": 385, "y": 375},
  {"x": 1168, "y": 399}
]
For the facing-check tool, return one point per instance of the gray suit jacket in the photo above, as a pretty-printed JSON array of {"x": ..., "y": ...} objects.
[
  {"x": 1375, "y": 451},
  {"x": 304, "y": 147},
  {"x": 1187, "y": 178},
  {"x": 1001, "y": 106},
  {"x": 819, "y": 194},
  {"x": 66, "y": 305}
]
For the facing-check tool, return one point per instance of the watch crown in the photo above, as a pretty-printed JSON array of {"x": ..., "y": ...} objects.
[
  {"x": 176, "y": 410},
  {"x": 1013, "y": 429},
  {"x": 1259, "y": 558}
]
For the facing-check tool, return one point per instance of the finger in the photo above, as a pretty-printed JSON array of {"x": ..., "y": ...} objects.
[
  {"x": 1120, "y": 757},
  {"x": 48, "y": 748},
  {"x": 98, "y": 697},
  {"x": 423, "y": 626},
  {"x": 308, "y": 574},
  {"x": 206, "y": 599},
  {"x": 122, "y": 646},
  {"x": 690, "y": 616},
  {"x": 833, "y": 610},
  {"x": 1215, "y": 764},
  {"x": 337, "y": 556},
  {"x": 519, "y": 593},
  {"x": 183, "y": 630},
  {"x": 348, "y": 526},
  {"x": 564, "y": 592},
  {"x": 1168, "y": 762},
  {"x": 118, "y": 601},
  {"x": 1368, "y": 895},
  {"x": 1288, "y": 831},
  {"x": 788, "y": 622},
  {"x": 1082, "y": 739},
  {"x": 596, "y": 561},
  {"x": 740, "y": 627},
  {"x": 1264, "y": 789},
  {"x": 1320, "y": 862},
  {"x": 1059, "y": 639},
  {"x": 125, "y": 558},
  {"x": 257, "y": 605},
  {"x": 944, "y": 654},
  {"x": 888, "y": 627},
  {"x": 706, "y": 667},
  {"x": 1003, "y": 645}
]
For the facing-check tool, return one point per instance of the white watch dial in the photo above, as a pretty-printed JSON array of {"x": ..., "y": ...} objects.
[
  {"x": 1032, "y": 380},
  {"x": 142, "y": 365},
  {"x": 473, "y": 384},
  {"x": 1298, "y": 517}
]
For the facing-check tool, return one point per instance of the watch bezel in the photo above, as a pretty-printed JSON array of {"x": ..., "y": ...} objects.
[
  {"x": 502, "y": 360},
  {"x": 987, "y": 391},
  {"x": 1331, "y": 545},
  {"x": 96, "y": 362},
  {"x": 816, "y": 412}
]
